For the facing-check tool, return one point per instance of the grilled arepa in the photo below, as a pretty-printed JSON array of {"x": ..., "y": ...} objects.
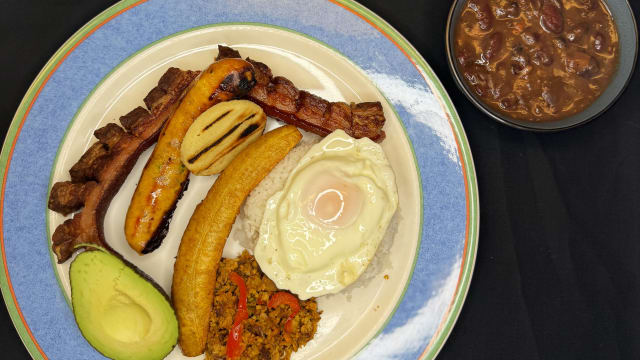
[{"x": 219, "y": 134}]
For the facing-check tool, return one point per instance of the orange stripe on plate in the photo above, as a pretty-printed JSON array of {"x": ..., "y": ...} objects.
[
  {"x": 13, "y": 145},
  {"x": 464, "y": 169}
]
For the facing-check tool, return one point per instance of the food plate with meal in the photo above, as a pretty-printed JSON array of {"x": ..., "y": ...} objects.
[{"x": 237, "y": 180}]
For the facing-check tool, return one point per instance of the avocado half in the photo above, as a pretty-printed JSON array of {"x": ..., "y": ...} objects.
[{"x": 119, "y": 310}]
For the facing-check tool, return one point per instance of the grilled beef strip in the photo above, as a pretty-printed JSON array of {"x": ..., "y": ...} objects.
[
  {"x": 279, "y": 98},
  {"x": 100, "y": 172}
]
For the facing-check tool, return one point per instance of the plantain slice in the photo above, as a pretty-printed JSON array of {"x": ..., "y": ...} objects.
[
  {"x": 194, "y": 273},
  {"x": 219, "y": 134}
]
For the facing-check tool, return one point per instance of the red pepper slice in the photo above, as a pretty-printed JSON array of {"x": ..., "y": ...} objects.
[
  {"x": 234, "y": 348},
  {"x": 284, "y": 298}
]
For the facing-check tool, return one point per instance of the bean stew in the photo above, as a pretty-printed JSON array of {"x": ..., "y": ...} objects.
[{"x": 536, "y": 60}]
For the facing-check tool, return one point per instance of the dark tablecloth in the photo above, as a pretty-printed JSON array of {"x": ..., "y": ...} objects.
[{"x": 558, "y": 268}]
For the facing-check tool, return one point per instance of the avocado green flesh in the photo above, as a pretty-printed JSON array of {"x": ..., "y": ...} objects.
[{"x": 120, "y": 313}]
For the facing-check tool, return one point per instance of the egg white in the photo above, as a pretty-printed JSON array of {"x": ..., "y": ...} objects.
[{"x": 311, "y": 257}]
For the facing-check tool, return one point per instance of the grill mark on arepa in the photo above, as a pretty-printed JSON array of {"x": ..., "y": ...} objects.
[{"x": 218, "y": 141}]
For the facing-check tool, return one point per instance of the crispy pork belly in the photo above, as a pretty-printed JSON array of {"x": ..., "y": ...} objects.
[
  {"x": 225, "y": 52},
  {"x": 85, "y": 168},
  {"x": 108, "y": 162},
  {"x": 67, "y": 197},
  {"x": 93, "y": 159}
]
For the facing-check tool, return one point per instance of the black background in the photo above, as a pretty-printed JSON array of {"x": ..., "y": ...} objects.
[{"x": 558, "y": 268}]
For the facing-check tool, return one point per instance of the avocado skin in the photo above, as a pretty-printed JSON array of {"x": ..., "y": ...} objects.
[{"x": 155, "y": 290}]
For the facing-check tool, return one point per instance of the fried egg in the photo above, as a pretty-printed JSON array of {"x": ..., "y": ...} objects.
[{"x": 320, "y": 232}]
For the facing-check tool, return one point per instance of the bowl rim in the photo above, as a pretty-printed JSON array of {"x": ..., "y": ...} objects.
[{"x": 531, "y": 126}]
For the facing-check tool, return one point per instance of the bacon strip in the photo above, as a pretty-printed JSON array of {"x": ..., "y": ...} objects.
[
  {"x": 279, "y": 98},
  {"x": 100, "y": 172}
]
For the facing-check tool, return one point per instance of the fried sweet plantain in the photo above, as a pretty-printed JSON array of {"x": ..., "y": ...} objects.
[
  {"x": 164, "y": 177},
  {"x": 194, "y": 275}
]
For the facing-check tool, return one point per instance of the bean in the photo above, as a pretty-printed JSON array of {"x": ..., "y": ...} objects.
[
  {"x": 530, "y": 37},
  {"x": 542, "y": 57},
  {"x": 592, "y": 69},
  {"x": 551, "y": 98},
  {"x": 537, "y": 110},
  {"x": 551, "y": 18},
  {"x": 560, "y": 43},
  {"x": 598, "y": 42},
  {"x": 513, "y": 10},
  {"x": 464, "y": 57},
  {"x": 495, "y": 89},
  {"x": 582, "y": 64},
  {"x": 493, "y": 46},
  {"x": 508, "y": 101},
  {"x": 471, "y": 78},
  {"x": 483, "y": 13},
  {"x": 510, "y": 10},
  {"x": 578, "y": 32},
  {"x": 516, "y": 68},
  {"x": 518, "y": 64}
]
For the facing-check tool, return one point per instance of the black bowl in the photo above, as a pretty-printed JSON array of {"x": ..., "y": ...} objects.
[{"x": 628, "y": 33}]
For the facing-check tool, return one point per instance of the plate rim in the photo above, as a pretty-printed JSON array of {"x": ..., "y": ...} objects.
[{"x": 462, "y": 146}]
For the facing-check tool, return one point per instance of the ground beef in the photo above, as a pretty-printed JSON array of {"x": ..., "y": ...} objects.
[{"x": 263, "y": 336}]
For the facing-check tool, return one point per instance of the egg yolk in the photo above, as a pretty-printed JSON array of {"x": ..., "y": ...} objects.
[{"x": 332, "y": 201}]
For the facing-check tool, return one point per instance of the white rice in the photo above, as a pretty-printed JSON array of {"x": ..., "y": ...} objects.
[{"x": 250, "y": 216}]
